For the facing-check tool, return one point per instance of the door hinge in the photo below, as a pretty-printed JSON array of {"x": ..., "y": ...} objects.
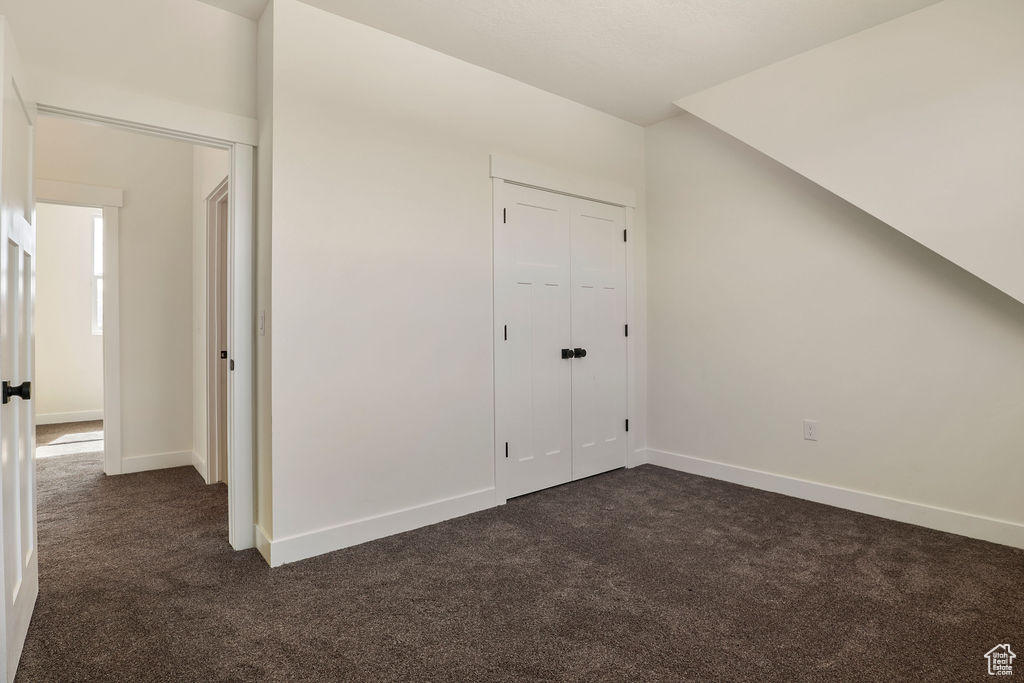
[
  {"x": 623, "y": 234},
  {"x": 627, "y": 329},
  {"x": 506, "y": 449},
  {"x": 627, "y": 424},
  {"x": 231, "y": 365},
  {"x": 504, "y": 215}
]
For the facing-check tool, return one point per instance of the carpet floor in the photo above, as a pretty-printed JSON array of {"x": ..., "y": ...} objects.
[
  {"x": 69, "y": 438},
  {"x": 642, "y": 574}
]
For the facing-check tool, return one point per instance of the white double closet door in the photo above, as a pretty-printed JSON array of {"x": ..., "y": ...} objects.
[{"x": 560, "y": 338}]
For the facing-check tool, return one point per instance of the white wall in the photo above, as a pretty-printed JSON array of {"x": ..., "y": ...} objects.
[
  {"x": 180, "y": 61},
  {"x": 155, "y": 270},
  {"x": 68, "y": 382},
  {"x": 381, "y": 261},
  {"x": 916, "y": 121},
  {"x": 209, "y": 168},
  {"x": 771, "y": 301},
  {"x": 264, "y": 202}
]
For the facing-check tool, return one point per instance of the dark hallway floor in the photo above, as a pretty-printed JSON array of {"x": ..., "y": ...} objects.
[{"x": 645, "y": 574}]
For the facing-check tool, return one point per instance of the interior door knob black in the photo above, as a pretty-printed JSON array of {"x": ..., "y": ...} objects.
[
  {"x": 22, "y": 391},
  {"x": 566, "y": 353},
  {"x": 579, "y": 353}
]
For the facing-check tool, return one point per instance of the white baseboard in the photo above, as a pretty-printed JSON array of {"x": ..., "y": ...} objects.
[
  {"x": 952, "y": 521},
  {"x": 636, "y": 458},
  {"x": 61, "y": 418},
  {"x": 313, "y": 543},
  {"x": 199, "y": 462},
  {"x": 156, "y": 461},
  {"x": 262, "y": 542}
]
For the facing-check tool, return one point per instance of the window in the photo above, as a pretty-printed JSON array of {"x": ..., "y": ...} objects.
[{"x": 97, "y": 275}]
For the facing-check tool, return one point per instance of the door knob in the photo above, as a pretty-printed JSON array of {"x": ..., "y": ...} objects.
[
  {"x": 566, "y": 353},
  {"x": 22, "y": 391},
  {"x": 579, "y": 353}
]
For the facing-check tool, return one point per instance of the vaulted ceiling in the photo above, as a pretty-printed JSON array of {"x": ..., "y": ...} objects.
[
  {"x": 630, "y": 58},
  {"x": 251, "y": 9},
  {"x": 917, "y": 122}
]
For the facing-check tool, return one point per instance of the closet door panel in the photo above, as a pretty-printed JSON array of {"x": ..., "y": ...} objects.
[
  {"x": 598, "y": 266},
  {"x": 533, "y": 383}
]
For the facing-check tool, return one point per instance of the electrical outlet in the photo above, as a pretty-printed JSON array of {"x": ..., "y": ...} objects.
[{"x": 810, "y": 430}]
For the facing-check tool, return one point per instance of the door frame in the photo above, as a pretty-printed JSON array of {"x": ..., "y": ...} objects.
[
  {"x": 110, "y": 200},
  {"x": 504, "y": 169},
  {"x": 241, "y": 321},
  {"x": 211, "y": 357}
]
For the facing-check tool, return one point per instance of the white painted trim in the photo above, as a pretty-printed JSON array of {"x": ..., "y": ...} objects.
[
  {"x": 207, "y": 362},
  {"x": 112, "y": 454},
  {"x": 60, "y": 94},
  {"x": 496, "y": 210},
  {"x": 636, "y": 458},
  {"x": 542, "y": 177},
  {"x": 262, "y": 542},
  {"x": 77, "y": 194},
  {"x": 943, "y": 519},
  {"x": 62, "y": 418},
  {"x": 241, "y": 349},
  {"x": 312, "y": 543},
  {"x": 156, "y": 461},
  {"x": 199, "y": 462},
  {"x": 636, "y": 346}
]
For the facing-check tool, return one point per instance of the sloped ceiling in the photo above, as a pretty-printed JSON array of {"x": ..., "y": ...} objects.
[
  {"x": 630, "y": 58},
  {"x": 250, "y": 9},
  {"x": 919, "y": 121}
]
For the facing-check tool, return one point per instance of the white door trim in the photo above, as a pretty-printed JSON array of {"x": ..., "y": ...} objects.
[
  {"x": 241, "y": 349},
  {"x": 523, "y": 172},
  {"x": 541, "y": 177},
  {"x": 77, "y": 194},
  {"x": 113, "y": 455},
  {"x": 210, "y": 361},
  {"x": 86, "y": 101},
  {"x": 241, "y": 406},
  {"x": 504, "y": 170},
  {"x": 110, "y": 200}
]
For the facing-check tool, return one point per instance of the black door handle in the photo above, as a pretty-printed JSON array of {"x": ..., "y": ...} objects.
[
  {"x": 22, "y": 391},
  {"x": 579, "y": 353},
  {"x": 566, "y": 353}
]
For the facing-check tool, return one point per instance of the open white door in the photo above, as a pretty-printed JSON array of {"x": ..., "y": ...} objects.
[{"x": 20, "y": 565}]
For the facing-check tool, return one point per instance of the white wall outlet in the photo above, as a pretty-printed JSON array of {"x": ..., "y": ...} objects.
[{"x": 811, "y": 430}]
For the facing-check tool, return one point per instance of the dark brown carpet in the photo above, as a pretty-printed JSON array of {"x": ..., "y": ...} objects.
[{"x": 644, "y": 574}]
